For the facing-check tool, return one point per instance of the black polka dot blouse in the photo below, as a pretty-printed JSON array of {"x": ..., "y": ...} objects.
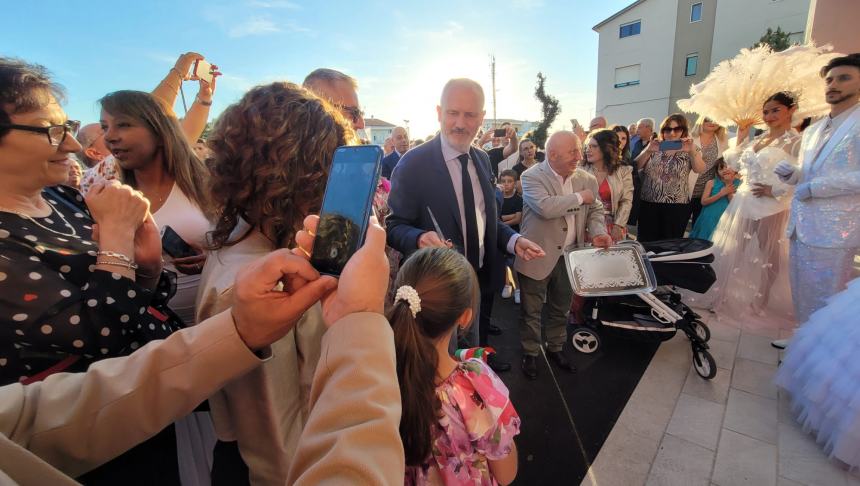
[{"x": 55, "y": 307}]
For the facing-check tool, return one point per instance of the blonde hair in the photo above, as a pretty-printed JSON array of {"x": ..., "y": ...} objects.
[{"x": 721, "y": 134}]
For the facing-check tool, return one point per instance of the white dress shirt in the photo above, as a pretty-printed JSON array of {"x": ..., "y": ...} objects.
[
  {"x": 450, "y": 155},
  {"x": 567, "y": 190}
]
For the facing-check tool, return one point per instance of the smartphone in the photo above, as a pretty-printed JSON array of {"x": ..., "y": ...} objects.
[
  {"x": 203, "y": 70},
  {"x": 346, "y": 206},
  {"x": 499, "y": 132},
  {"x": 670, "y": 145},
  {"x": 174, "y": 245}
]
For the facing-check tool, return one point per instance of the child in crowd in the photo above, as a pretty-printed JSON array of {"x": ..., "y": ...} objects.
[
  {"x": 458, "y": 423},
  {"x": 512, "y": 215},
  {"x": 715, "y": 199}
]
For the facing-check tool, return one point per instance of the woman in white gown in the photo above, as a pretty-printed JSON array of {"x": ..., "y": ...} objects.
[
  {"x": 751, "y": 251},
  {"x": 821, "y": 372}
]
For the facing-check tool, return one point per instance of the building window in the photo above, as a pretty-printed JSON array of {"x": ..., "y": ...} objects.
[
  {"x": 696, "y": 12},
  {"x": 692, "y": 65},
  {"x": 627, "y": 76},
  {"x": 632, "y": 28}
]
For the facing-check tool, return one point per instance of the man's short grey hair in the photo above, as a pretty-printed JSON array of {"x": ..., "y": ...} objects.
[
  {"x": 327, "y": 76},
  {"x": 466, "y": 83},
  {"x": 647, "y": 121},
  {"x": 86, "y": 136}
]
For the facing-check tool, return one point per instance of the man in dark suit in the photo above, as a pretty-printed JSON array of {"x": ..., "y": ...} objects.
[
  {"x": 401, "y": 145},
  {"x": 451, "y": 178}
]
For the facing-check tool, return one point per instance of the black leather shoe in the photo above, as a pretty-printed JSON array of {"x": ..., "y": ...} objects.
[
  {"x": 530, "y": 366},
  {"x": 561, "y": 360},
  {"x": 494, "y": 330},
  {"x": 497, "y": 364}
]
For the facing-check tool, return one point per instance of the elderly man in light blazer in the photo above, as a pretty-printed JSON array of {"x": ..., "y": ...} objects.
[{"x": 559, "y": 211}]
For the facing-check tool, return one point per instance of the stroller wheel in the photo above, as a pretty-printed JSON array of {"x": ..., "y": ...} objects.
[
  {"x": 701, "y": 330},
  {"x": 704, "y": 363},
  {"x": 585, "y": 340}
]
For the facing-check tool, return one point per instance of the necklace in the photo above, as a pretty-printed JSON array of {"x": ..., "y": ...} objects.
[{"x": 33, "y": 220}]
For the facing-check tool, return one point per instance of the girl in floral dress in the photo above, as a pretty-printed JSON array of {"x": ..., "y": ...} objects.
[{"x": 458, "y": 423}]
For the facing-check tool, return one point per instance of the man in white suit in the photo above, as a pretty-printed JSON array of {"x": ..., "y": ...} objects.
[
  {"x": 559, "y": 210},
  {"x": 824, "y": 225}
]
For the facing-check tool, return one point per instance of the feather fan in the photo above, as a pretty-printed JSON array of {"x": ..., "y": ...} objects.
[{"x": 736, "y": 88}]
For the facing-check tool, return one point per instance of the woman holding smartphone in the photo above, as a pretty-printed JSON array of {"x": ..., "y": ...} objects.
[
  {"x": 665, "y": 167},
  {"x": 273, "y": 151}
]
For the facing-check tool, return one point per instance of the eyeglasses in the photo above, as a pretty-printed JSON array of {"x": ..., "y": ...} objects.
[
  {"x": 672, "y": 129},
  {"x": 56, "y": 133},
  {"x": 354, "y": 112}
]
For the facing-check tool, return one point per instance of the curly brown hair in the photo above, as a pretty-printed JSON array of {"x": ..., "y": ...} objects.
[{"x": 273, "y": 150}]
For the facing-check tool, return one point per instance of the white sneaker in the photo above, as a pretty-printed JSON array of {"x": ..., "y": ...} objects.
[
  {"x": 506, "y": 292},
  {"x": 779, "y": 343},
  {"x": 517, "y": 296}
]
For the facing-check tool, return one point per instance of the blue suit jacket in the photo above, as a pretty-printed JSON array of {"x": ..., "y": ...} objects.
[
  {"x": 389, "y": 162},
  {"x": 422, "y": 180}
]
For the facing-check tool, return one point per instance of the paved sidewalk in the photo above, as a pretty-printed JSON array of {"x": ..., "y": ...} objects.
[{"x": 737, "y": 429}]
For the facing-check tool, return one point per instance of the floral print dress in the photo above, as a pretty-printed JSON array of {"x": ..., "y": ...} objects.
[{"x": 478, "y": 424}]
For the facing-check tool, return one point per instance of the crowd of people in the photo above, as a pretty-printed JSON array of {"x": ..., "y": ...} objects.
[{"x": 161, "y": 321}]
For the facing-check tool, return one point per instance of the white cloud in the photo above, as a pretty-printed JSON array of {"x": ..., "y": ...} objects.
[{"x": 253, "y": 26}]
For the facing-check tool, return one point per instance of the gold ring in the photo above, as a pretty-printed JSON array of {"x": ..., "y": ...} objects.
[
  {"x": 303, "y": 250},
  {"x": 312, "y": 233}
]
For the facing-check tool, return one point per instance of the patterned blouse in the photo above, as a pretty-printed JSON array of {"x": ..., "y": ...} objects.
[
  {"x": 478, "y": 424},
  {"x": 710, "y": 154},
  {"x": 56, "y": 307},
  {"x": 665, "y": 178}
]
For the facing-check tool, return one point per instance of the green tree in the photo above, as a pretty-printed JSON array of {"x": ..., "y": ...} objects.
[
  {"x": 550, "y": 109},
  {"x": 776, "y": 39}
]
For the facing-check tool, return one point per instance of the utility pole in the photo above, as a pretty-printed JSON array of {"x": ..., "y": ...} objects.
[{"x": 493, "y": 77}]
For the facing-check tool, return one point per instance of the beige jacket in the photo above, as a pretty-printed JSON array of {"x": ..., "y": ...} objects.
[
  {"x": 544, "y": 211},
  {"x": 264, "y": 410},
  {"x": 73, "y": 422},
  {"x": 621, "y": 187}
]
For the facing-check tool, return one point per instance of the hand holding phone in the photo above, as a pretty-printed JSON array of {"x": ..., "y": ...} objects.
[
  {"x": 203, "y": 70},
  {"x": 500, "y": 133},
  {"x": 346, "y": 206}
]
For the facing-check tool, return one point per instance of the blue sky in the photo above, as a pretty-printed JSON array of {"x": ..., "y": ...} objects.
[{"x": 401, "y": 53}]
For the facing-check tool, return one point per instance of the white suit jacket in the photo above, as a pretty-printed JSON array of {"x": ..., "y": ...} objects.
[{"x": 831, "y": 217}]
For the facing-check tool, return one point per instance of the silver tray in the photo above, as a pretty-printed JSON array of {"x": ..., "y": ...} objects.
[{"x": 618, "y": 270}]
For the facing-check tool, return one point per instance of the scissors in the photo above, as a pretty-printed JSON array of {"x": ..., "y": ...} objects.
[{"x": 436, "y": 225}]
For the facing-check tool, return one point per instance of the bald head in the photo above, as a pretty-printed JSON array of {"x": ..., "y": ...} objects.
[
  {"x": 93, "y": 148},
  {"x": 400, "y": 139},
  {"x": 461, "y": 112},
  {"x": 597, "y": 123},
  {"x": 563, "y": 152}
]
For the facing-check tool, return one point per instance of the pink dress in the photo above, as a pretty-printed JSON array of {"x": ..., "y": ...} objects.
[{"x": 478, "y": 424}]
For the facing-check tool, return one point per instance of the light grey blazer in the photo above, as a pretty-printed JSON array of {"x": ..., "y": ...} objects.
[
  {"x": 830, "y": 218},
  {"x": 544, "y": 211}
]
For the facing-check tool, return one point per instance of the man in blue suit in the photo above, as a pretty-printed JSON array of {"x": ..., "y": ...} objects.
[
  {"x": 451, "y": 178},
  {"x": 401, "y": 145}
]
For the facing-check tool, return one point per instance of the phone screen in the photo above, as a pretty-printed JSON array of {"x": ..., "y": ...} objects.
[
  {"x": 346, "y": 206},
  {"x": 203, "y": 70},
  {"x": 670, "y": 145},
  {"x": 174, "y": 245}
]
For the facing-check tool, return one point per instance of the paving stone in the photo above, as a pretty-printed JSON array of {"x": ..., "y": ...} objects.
[
  {"x": 742, "y": 460},
  {"x": 803, "y": 461},
  {"x": 681, "y": 463},
  {"x": 754, "y": 377},
  {"x": 757, "y": 348},
  {"x": 752, "y": 415},
  {"x": 715, "y": 390},
  {"x": 697, "y": 420}
]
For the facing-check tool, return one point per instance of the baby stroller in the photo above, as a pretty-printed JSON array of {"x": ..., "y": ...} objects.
[{"x": 655, "y": 313}]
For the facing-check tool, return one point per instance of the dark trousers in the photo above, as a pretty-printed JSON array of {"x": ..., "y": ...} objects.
[
  {"x": 153, "y": 461},
  {"x": 556, "y": 287},
  {"x": 662, "y": 221},
  {"x": 228, "y": 468},
  {"x": 696, "y": 208},
  {"x": 477, "y": 334}
]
